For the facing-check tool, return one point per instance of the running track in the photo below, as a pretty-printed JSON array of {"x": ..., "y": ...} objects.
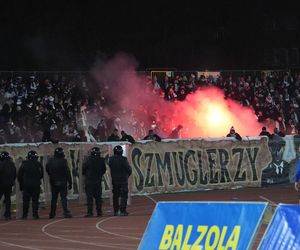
[{"x": 109, "y": 232}]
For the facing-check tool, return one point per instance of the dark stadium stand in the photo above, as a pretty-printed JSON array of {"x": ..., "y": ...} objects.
[{"x": 37, "y": 107}]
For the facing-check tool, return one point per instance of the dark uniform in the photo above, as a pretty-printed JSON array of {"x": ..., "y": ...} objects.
[
  {"x": 264, "y": 132},
  {"x": 7, "y": 180},
  {"x": 29, "y": 177},
  {"x": 94, "y": 168},
  {"x": 114, "y": 136},
  {"x": 120, "y": 171},
  {"x": 126, "y": 137},
  {"x": 60, "y": 179},
  {"x": 152, "y": 136}
]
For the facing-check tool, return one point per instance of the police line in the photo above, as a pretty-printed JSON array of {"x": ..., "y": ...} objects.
[{"x": 170, "y": 166}]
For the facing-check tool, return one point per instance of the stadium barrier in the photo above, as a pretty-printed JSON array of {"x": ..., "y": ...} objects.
[
  {"x": 220, "y": 225},
  {"x": 185, "y": 165},
  {"x": 203, "y": 225},
  {"x": 283, "y": 230},
  {"x": 177, "y": 165}
]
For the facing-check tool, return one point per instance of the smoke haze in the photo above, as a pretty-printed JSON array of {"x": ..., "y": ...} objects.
[{"x": 204, "y": 113}]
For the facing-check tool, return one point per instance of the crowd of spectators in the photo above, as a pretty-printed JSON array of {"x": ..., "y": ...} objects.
[
  {"x": 36, "y": 110},
  {"x": 274, "y": 96},
  {"x": 55, "y": 108}
]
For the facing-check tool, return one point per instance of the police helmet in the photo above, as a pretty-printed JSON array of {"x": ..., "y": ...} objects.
[
  {"x": 32, "y": 155},
  {"x": 95, "y": 151},
  {"x": 118, "y": 150},
  {"x": 4, "y": 155},
  {"x": 59, "y": 152}
]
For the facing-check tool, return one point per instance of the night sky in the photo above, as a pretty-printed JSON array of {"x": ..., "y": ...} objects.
[{"x": 70, "y": 36}]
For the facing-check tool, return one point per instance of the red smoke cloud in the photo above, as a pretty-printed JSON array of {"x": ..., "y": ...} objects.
[{"x": 204, "y": 113}]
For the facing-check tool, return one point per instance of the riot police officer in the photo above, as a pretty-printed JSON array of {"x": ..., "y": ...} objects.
[
  {"x": 29, "y": 176},
  {"x": 60, "y": 181},
  {"x": 94, "y": 168},
  {"x": 120, "y": 171},
  {"x": 7, "y": 180}
]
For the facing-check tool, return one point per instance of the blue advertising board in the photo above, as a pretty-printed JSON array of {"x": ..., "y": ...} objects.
[
  {"x": 203, "y": 225},
  {"x": 283, "y": 231}
]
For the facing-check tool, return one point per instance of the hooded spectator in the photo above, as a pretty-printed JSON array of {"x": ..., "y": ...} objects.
[
  {"x": 264, "y": 132},
  {"x": 233, "y": 134}
]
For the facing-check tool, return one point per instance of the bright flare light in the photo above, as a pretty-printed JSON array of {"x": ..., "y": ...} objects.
[
  {"x": 214, "y": 115},
  {"x": 207, "y": 114}
]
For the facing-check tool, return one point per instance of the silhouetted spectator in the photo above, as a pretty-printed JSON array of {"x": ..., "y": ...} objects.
[
  {"x": 264, "y": 132},
  {"x": 114, "y": 136},
  {"x": 152, "y": 136},
  {"x": 175, "y": 134},
  {"x": 48, "y": 138},
  {"x": 278, "y": 132},
  {"x": 233, "y": 134},
  {"x": 126, "y": 137}
]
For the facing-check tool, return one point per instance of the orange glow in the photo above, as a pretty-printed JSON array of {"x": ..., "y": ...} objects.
[
  {"x": 207, "y": 114},
  {"x": 215, "y": 115}
]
